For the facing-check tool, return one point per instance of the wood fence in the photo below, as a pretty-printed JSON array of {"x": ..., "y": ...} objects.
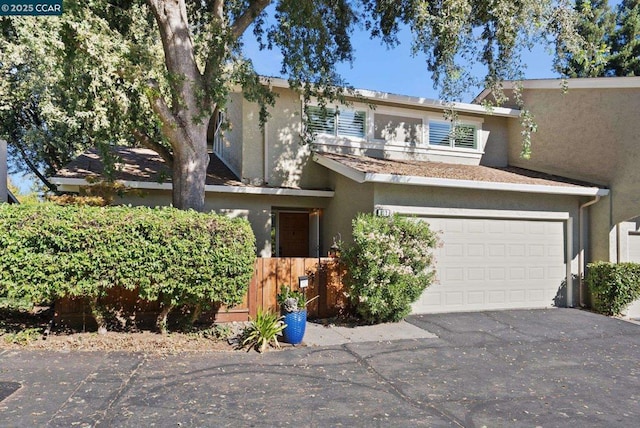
[{"x": 325, "y": 281}]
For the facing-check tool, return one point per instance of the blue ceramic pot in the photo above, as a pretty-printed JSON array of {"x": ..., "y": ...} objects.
[{"x": 296, "y": 323}]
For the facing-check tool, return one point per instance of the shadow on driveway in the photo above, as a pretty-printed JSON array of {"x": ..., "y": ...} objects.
[{"x": 546, "y": 368}]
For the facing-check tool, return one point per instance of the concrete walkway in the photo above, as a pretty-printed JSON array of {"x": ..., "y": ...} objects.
[
  {"x": 330, "y": 335},
  {"x": 547, "y": 368}
]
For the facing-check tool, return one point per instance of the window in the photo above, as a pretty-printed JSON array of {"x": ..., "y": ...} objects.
[
  {"x": 341, "y": 123},
  {"x": 389, "y": 127},
  {"x": 463, "y": 137}
]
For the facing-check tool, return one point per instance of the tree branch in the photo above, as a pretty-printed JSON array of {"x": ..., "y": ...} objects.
[
  {"x": 243, "y": 21},
  {"x": 146, "y": 141},
  {"x": 52, "y": 187}
]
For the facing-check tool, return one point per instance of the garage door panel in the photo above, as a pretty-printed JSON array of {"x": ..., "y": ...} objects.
[{"x": 486, "y": 264}]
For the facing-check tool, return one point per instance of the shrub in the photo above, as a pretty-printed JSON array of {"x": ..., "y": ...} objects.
[
  {"x": 388, "y": 265},
  {"x": 613, "y": 286},
  {"x": 176, "y": 257},
  {"x": 263, "y": 331}
]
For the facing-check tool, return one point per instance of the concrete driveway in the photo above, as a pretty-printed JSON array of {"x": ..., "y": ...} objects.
[{"x": 547, "y": 368}]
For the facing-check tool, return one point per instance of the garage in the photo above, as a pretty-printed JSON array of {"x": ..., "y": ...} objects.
[{"x": 495, "y": 263}]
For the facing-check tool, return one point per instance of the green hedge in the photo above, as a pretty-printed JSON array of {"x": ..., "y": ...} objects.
[
  {"x": 389, "y": 265},
  {"x": 613, "y": 286},
  {"x": 177, "y": 257}
]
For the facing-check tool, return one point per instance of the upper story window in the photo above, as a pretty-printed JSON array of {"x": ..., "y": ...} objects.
[
  {"x": 341, "y": 123},
  {"x": 463, "y": 136},
  {"x": 397, "y": 128}
]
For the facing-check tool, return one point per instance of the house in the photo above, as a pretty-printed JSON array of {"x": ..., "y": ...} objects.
[{"x": 512, "y": 231}]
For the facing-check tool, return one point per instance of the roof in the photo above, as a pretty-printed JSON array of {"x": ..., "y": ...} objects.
[
  {"x": 145, "y": 169},
  {"x": 413, "y": 101},
  {"x": 438, "y": 174},
  {"x": 575, "y": 83},
  {"x": 143, "y": 165}
]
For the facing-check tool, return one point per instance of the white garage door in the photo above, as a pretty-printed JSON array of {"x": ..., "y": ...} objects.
[{"x": 495, "y": 264}]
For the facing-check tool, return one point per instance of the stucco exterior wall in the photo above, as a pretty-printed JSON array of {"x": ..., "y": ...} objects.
[
  {"x": 255, "y": 208},
  {"x": 350, "y": 199},
  {"x": 497, "y": 141},
  {"x": 588, "y": 134},
  {"x": 232, "y": 148}
]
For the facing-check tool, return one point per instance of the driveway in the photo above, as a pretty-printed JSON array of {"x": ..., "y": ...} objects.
[{"x": 545, "y": 368}]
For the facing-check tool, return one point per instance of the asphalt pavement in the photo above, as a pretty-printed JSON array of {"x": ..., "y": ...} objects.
[{"x": 548, "y": 368}]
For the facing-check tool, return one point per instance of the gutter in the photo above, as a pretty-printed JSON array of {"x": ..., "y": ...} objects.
[{"x": 581, "y": 267}]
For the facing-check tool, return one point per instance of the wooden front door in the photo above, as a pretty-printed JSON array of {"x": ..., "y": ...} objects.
[{"x": 293, "y": 234}]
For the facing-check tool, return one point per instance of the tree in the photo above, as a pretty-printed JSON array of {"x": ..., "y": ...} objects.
[
  {"x": 596, "y": 25},
  {"x": 203, "y": 59},
  {"x": 625, "y": 43}
]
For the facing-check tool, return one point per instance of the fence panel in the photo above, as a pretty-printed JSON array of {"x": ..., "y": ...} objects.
[{"x": 325, "y": 281}]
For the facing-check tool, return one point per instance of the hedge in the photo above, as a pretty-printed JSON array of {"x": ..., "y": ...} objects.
[
  {"x": 177, "y": 257},
  {"x": 613, "y": 286}
]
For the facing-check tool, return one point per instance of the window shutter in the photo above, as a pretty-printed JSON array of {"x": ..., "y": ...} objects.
[
  {"x": 465, "y": 137},
  {"x": 439, "y": 134},
  {"x": 321, "y": 122},
  {"x": 351, "y": 123}
]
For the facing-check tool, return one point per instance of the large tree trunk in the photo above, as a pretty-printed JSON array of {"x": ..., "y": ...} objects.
[
  {"x": 184, "y": 121},
  {"x": 190, "y": 162}
]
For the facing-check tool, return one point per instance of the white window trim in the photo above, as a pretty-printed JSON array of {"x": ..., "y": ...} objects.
[
  {"x": 462, "y": 120},
  {"x": 369, "y": 142},
  {"x": 323, "y": 137}
]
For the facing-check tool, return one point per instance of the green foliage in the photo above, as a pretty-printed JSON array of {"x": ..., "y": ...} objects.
[
  {"x": 99, "y": 74},
  {"x": 263, "y": 331},
  {"x": 625, "y": 43},
  {"x": 22, "y": 337},
  {"x": 178, "y": 257},
  {"x": 596, "y": 24},
  {"x": 613, "y": 286},
  {"x": 388, "y": 265},
  {"x": 291, "y": 301}
]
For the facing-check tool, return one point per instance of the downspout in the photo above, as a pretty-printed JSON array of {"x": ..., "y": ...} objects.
[
  {"x": 265, "y": 154},
  {"x": 581, "y": 248}
]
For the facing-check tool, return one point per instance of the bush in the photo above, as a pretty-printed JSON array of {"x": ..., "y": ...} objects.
[
  {"x": 177, "y": 257},
  {"x": 388, "y": 265},
  {"x": 613, "y": 286}
]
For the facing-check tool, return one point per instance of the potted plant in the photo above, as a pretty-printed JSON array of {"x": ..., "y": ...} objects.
[{"x": 293, "y": 307}]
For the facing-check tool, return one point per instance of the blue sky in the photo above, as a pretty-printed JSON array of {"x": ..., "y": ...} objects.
[{"x": 394, "y": 70}]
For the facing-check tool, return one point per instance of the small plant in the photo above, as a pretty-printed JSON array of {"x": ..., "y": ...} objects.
[
  {"x": 23, "y": 337},
  {"x": 263, "y": 331},
  {"x": 292, "y": 301},
  {"x": 215, "y": 332}
]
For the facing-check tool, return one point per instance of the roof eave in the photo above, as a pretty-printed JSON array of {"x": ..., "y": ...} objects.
[{"x": 209, "y": 188}]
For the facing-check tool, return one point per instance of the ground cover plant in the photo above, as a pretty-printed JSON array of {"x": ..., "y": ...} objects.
[{"x": 177, "y": 258}]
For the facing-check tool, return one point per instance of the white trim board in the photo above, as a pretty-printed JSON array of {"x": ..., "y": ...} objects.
[
  {"x": 247, "y": 190},
  {"x": 477, "y": 213}
]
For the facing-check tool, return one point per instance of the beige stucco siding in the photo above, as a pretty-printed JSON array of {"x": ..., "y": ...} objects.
[
  {"x": 592, "y": 135},
  {"x": 496, "y": 131},
  {"x": 232, "y": 147},
  {"x": 255, "y": 208},
  {"x": 350, "y": 199}
]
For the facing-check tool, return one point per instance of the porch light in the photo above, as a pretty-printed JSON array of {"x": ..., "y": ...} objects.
[{"x": 334, "y": 251}]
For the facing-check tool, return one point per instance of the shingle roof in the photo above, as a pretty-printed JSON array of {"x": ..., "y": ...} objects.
[
  {"x": 140, "y": 164},
  {"x": 429, "y": 169}
]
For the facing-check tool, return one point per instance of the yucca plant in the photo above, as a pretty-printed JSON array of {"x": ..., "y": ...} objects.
[{"x": 263, "y": 331}]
